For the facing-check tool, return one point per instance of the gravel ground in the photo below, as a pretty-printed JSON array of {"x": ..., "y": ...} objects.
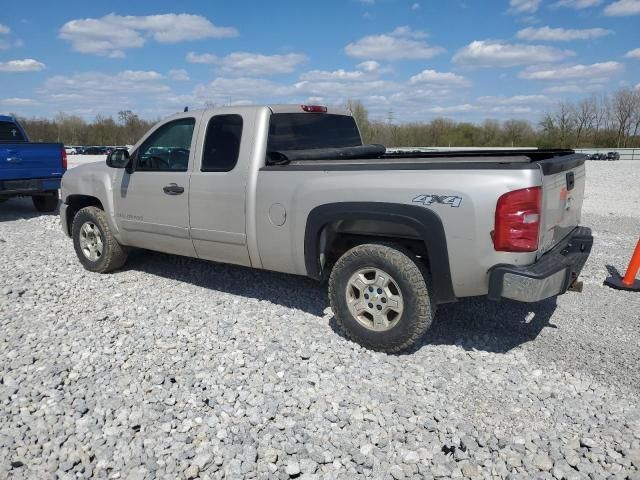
[{"x": 179, "y": 368}]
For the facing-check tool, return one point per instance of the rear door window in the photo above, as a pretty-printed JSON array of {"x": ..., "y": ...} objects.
[
  {"x": 222, "y": 143},
  {"x": 304, "y": 131},
  {"x": 9, "y": 133}
]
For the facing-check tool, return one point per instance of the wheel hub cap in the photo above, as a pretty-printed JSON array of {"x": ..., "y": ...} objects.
[
  {"x": 91, "y": 242},
  {"x": 374, "y": 299}
]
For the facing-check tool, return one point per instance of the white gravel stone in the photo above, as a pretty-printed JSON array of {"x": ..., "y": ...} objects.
[{"x": 176, "y": 367}]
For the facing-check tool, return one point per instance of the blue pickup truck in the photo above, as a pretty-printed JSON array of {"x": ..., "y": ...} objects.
[{"x": 29, "y": 169}]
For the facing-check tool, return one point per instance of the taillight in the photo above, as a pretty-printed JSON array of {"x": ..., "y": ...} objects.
[
  {"x": 517, "y": 224},
  {"x": 314, "y": 108},
  {"x": 63, "y": 158}
]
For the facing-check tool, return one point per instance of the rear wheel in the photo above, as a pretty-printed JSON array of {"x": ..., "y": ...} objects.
[
  {"x": 95, "y": 245},
  {"x": 45, "y": 203},
  {"x": 381, "y": 297}
]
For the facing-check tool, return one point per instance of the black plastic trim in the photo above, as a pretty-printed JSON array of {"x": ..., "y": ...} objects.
[
  {"x": 562, "y": 164},
  {"x": 570, "y": 254},
  {"x": 385, "y": 164},
  {"x": 425, "y": 221}
]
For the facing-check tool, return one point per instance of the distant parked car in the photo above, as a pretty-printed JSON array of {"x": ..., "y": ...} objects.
[
  {"x": 93, "y": 151},
  {"x": 598, "y": 156},
  {"x": 70, "y": 150},
  {"x": 613, "y": 156}
]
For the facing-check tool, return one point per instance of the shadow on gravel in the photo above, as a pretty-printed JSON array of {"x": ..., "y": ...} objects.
[
  {"x": 479, "y": 324},
  {"x": 473, "y": 323},
  {"x": 287, "y": 290},
  {"x": 20, "y": 208}
]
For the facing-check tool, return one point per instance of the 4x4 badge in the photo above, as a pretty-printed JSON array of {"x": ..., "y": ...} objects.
[{"x": 451, "y": 200}]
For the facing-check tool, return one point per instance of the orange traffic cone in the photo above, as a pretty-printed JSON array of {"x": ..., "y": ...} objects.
[{"x": 629, "y": 281}]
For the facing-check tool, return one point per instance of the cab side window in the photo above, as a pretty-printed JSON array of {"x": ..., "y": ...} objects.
[
  {"x": 167, "y": 149},
  {"x": 222, "y": 143}
]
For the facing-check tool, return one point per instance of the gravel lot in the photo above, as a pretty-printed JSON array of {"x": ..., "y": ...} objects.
[{"x": 179, "y": 368}]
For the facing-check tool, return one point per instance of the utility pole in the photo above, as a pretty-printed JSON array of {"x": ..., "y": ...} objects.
[{"x": 390, "y": 117}]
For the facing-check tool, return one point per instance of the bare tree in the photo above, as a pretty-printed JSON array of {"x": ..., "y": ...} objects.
[{"x": 585, "y": 115}]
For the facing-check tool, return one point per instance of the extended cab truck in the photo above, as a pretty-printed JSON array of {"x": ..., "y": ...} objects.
[
  {"x": 29, "y": 169},
  {"x": 292, "y": 189}
]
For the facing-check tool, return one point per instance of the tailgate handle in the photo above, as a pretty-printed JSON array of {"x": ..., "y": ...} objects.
[{"x": 571, "y": 180}]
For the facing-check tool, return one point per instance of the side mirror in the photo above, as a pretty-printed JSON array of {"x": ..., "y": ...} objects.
[{"x": 118, "y": 158}]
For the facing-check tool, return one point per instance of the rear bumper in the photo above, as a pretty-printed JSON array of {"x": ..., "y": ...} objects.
[
  {"x": 551, "y": 275},
  {"x": 33, "y": 186}
]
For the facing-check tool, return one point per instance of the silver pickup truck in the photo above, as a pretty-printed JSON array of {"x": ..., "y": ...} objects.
[{"x": 291, "y": 188}]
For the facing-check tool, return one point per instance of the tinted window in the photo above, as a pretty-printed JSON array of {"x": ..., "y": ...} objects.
[
  {"x": 9, "y": 133},
  {"x": 302, "y": 131},
  {"x": 167, "y": 149},
  {"x": 222, "y": 143}
]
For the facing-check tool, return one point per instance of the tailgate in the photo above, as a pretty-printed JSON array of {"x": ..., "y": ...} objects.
[
  {"x": 21, "y": 161},
  {"x": 563, "y": 185}
]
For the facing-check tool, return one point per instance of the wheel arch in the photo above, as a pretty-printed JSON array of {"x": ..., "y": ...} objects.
[
  {"x": 74, "y": 203},
  {"x": 424, "y": 223}
]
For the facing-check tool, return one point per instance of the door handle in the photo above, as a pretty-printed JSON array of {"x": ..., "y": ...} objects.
[
  {"x": 173, "y": 189},
  {"x": 14, "y": 159}
]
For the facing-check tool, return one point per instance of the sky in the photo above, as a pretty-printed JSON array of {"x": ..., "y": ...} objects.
[{"x": 405, "y": 60}]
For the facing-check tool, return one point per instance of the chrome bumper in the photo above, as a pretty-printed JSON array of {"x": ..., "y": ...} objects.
[{"x": 551, "y": 275}]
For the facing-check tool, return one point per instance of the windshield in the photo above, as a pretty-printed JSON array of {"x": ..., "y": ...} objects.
[{"x": 304, "y": 131}]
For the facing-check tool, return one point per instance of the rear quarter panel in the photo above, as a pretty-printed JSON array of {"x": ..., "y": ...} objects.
[{"x": 467, "y": 227}]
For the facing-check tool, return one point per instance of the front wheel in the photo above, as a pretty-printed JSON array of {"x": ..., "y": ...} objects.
[
  {"x": 381, "y": 297},
  {"x": 96, "y": 247}
]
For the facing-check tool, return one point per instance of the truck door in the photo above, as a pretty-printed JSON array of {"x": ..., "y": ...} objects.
[
  {"x": 152, "y": 203},
  {"x": 218, "y": 190}
]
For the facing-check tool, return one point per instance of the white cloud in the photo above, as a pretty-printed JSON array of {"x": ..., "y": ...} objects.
[
  {"x": 340, "y": 74},
  {"x": 178, "y": 74},
  {"x": 578, "y": 4},
  {"x": 4, "y": 30},
  {"x": 623, "y": 8},
  {"x": 205, "y": 58},
  {"x": 633, "y": 53},
  {"x": 18, "y": 102},
  {"x": 463, "y": 108},
  {"x": 432, "y": 77},
  {"x": 369, "y": 66},
  {"x": 573, "y": 72},
  {"x": 514, "y": 100},
  {"x": 226, "y": 90},
  {"x": 561, "y": 34},
  {"x": 496, "y": 53},
  {"x": 26, "y": 65},
  {"x": 401, "y": 44},
  {"x": 140, "y": 75},
  {"x": 98, "y": 84},
  {"x": 254, "y": 64},
  {"x": 524, "y": 6},
  {"x": 112, "y": 34},
  {"x": 250, "y": 64},
  {"x": 575, "y": 88}
]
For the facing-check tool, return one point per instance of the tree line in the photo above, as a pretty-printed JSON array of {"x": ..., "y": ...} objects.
[
  {"x": 600, "y": 121},
  {"x": 126, "y": 129},
  {"x": 597, "y": 122}
]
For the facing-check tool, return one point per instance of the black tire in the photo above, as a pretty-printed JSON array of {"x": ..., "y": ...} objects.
[
  {"x": 113, "y": 255},
  {"x": 412, "y": 281},
  {"x": 45, "y": 203}
]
